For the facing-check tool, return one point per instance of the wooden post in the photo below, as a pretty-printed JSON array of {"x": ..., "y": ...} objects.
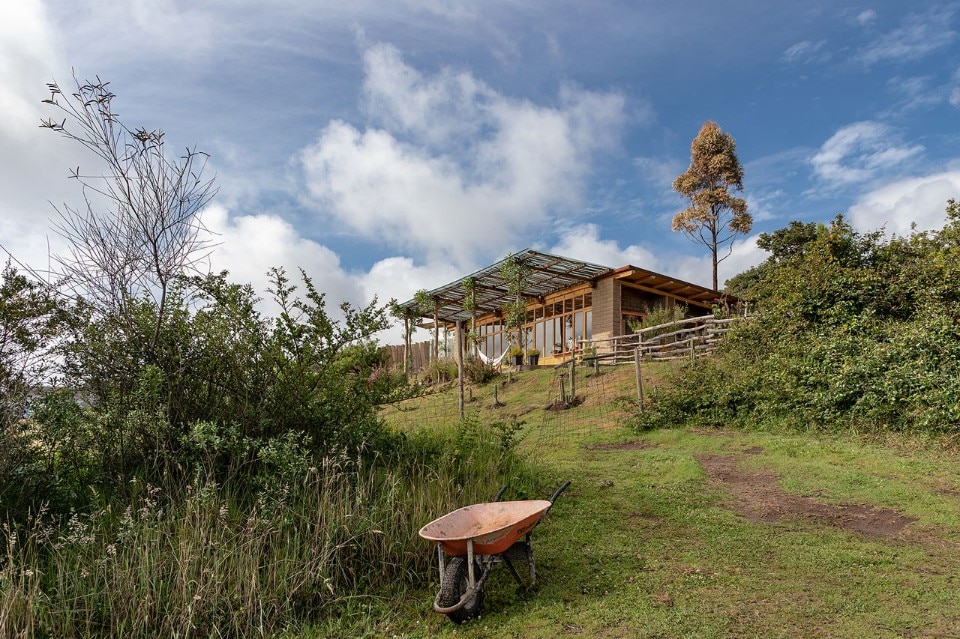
[
  {"x": 573, "y": 378},
  {"x": 563, "y": 390},
  {"x": 636, "y": 359},
  {"x": 460, "y": 366},
  {"x": 496, "y": 399},
  {"x": 692, "y": 350}
]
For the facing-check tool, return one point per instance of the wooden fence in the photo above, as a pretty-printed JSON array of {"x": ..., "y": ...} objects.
[
  {"x": 684, "y": 339},
  {"x": 420, "y": 355}
]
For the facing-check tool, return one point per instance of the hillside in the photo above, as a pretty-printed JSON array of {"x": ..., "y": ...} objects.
[{"x": 712, "y": 532}]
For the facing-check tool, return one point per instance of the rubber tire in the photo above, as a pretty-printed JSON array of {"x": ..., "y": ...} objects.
[{"x": 455, "y": 583}]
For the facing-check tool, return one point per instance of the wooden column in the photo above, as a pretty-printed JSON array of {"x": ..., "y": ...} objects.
[{"x": 460, "y": 366}]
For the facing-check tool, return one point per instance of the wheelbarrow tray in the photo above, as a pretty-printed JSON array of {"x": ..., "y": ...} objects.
[{"x": 493, "y": 526}]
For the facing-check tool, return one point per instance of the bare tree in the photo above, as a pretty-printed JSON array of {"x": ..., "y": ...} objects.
[{"x": 138, "y": 227}]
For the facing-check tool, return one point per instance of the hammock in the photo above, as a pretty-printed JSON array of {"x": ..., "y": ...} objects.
[{"x": 490, "y": 360}]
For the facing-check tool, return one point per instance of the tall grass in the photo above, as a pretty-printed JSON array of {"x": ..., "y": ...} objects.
[{"x": 204, "y": 561}]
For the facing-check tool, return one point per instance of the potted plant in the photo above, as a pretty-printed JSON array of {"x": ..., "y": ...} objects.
[
  {"x": 533, "y": 356},
  {"x": 516, "y": 355}
]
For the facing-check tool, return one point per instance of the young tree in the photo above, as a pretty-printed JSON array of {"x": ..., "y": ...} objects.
[
  {"x": 409, "y": 316},
  {"x": 429, "y": 305},
  {"x": 714, "y": 217},
  {"x": 138, "y": 228},
  {"x": 516, "y": 274}
]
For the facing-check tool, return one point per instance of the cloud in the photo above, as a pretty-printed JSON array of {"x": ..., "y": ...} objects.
[
  {"x": 898, "y": 205},
  {"x": 583, "y": 242},
  {"x": 860, "y": 152},
  {"x": 918, "y": 36},
  {"x": 248, "y": 246},
  {"x": 807, "y": 52},
  {"x": 866, "y": 17},
  {"x": 456, "y": 171}
]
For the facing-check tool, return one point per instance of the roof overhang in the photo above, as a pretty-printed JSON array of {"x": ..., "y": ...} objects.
[
  {"x": 548, "y": 274},
  {"x": 652, "y": 282}
]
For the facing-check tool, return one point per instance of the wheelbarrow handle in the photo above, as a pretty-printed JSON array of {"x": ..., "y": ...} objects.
[
  {"x": 500, "y": 493},
  {"x": 559, "y": 490}
]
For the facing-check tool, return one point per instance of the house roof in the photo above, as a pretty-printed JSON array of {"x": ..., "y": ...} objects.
[{"x": 550, "y": 274}]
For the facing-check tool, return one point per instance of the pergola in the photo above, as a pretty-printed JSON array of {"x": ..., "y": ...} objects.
[{"x": 548, "y": 274}]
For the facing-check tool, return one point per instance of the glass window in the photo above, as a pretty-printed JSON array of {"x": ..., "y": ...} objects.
[
  {"x": 578, "y": 302},
  {"x": 577, "y": 328},
  {"x": 588, "y": 322},
  {"x": 588, "y": 300}
]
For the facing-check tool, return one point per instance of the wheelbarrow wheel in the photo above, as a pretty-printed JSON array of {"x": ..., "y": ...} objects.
[{"x": 455, "y": 583}]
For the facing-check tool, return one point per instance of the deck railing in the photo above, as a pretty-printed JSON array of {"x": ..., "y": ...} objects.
[{"x": 684, "y": 339}]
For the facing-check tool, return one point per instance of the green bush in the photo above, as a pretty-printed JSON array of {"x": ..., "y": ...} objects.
[{"x": 852, "y": 331}]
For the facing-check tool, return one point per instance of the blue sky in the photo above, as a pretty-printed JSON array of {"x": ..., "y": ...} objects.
[{"x": 390, "y": 146}]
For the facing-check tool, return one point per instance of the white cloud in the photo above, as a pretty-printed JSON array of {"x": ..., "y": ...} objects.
[
  {"x": 583, "y": 242},
  {"x": 866, "y": 17},
  {"x": 249, "y": 245},
  {"x": 860, "y": 152},
  {"x": 458, "y": 170},
  {"x": 806, "y": 52},
  {"x": 918, "y": 36},
  {"x": 898, "y": 205}
]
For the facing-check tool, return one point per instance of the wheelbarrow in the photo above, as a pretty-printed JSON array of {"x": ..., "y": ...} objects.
[{"x": 473, "y": 539}]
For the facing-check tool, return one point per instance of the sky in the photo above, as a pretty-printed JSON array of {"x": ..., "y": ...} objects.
[{"x": 385, "y": 147}]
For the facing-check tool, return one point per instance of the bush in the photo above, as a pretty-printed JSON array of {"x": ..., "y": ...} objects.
[
  {"x": 852, "y": 331},
  {"x": 478, "y": 372}
]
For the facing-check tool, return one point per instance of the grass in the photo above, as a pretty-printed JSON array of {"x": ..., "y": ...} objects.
[{"x": 645, "y": 545}]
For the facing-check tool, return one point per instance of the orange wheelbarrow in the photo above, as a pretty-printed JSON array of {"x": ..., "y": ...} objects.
[{"x": 472, "y": 539}]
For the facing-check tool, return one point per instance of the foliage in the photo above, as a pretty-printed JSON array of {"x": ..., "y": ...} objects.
[
  {"x": 478, "y": 372},
  {"x": 714, "y": 216},
  {"x": 293, "y": 547},
  {"x": 657, "y": 316},
  {"x": 409, "y": 316},
  {"x": 441, "y": 370},
  {"x": 430, "y": 306},
  {"x": 516, "y": 274},
  {"x": 853, "y": 330}
]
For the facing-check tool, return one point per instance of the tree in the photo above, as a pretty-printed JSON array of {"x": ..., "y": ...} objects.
[
  {"x": 408, "y": 315},
  {"x": 516, "y": 274},
  {"x": 430, "y": 305},
  {"x": 714, "y": 216},
  {"x": 139, "y": 228}
]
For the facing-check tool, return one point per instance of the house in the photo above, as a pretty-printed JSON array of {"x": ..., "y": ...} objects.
[{"x": 568, "y": 303}]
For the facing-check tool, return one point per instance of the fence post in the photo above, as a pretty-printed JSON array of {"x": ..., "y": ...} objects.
[
  {"x": 636, "y": 359},
  {"x": 563, "y": 390},
  {"x": 573, "y": 378},
  {"x": 692, "y": 350}
]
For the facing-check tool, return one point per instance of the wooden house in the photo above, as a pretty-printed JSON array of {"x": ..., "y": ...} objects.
[{"x": 569, "y": 303}]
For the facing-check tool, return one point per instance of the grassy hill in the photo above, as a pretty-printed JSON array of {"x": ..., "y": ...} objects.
[{"x": 705, "y": 532}]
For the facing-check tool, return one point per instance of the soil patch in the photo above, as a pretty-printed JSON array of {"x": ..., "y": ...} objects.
[
  {"x": 758, "y": 497},
  {"x": 631, "y": 445}
]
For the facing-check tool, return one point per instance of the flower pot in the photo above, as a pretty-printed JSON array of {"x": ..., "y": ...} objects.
[
  {"x": 533, "y": 360},
  {"x": 518, "y": 360}
]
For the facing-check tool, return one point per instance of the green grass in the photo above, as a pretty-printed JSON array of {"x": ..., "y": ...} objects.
[{"x": 643, "y": 545}]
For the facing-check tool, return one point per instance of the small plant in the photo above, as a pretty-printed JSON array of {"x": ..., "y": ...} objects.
[
  {"x": 477, "y": 372},
  {"x": 533, "y": 352},
  {"x": 515, "y": 351}
]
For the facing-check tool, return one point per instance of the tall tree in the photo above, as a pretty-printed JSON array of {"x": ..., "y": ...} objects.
[{"x": 714, "y": 217}]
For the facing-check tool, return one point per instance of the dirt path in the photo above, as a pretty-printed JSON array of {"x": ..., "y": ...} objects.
[{"x": 758, "y": 497}]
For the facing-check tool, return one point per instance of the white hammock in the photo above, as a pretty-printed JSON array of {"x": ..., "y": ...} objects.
[{"x": 489, "y": 360}]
